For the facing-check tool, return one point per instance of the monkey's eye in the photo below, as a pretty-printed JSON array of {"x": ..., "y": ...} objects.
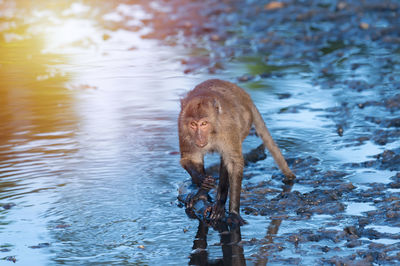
[
  {"x": 193, "y": 124},
  {"x": 204, "y": 123}
]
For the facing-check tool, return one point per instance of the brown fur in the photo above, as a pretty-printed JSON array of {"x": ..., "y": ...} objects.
[{"x": 221, "y": 114}]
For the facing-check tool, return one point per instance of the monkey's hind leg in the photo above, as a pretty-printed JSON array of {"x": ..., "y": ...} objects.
[
  {"x": 235, "y": 174},
  {"x": 218, "y": 210}
]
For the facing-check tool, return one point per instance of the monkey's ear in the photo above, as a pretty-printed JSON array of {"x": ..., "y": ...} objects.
[{"x": 217, "y": 106}]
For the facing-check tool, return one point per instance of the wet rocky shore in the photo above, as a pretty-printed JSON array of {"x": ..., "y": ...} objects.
[{"x": 349, "y": 47}]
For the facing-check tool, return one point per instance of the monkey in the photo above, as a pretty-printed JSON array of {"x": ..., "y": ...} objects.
[{"x": 216, "y": 116}]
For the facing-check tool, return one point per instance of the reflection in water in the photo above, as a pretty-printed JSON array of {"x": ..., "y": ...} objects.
[
  {"x": 86, "y": 130},
  {"x": 273, "y": 228},
  {"x": 230, "y": 238},
  {"x": 37, "y": 132},
  {"x": 37, "y": 120},
  {"x": 232, "y": 250}
]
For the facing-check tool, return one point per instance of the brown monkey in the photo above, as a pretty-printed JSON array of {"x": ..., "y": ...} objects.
[{"x": 216, "y": 116}]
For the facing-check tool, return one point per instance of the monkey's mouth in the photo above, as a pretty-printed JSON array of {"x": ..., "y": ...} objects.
[{"x": 201, "y": 144}]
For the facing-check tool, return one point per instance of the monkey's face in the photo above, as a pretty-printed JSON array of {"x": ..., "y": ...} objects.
[{"x": 200, "y": 130}]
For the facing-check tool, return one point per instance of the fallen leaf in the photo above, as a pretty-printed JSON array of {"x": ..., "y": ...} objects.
[
  {"x": 341, "y": 5},
  {"x": 215, "y": 37},
  {"x": 273, "y": 5},
  {"x": 364, "y": 25}
]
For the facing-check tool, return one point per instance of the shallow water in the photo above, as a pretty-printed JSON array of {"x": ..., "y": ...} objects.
[
  {"x": 85, "y": 153},
  {"x": 88, "y": 139}
]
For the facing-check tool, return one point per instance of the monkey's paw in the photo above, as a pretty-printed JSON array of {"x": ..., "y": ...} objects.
[
  {"x": 234, "y": 220},
  {"x": 208, "y": 183},
  {"x": 217, "y": 212},
  {"x": 193, "y": 198}
]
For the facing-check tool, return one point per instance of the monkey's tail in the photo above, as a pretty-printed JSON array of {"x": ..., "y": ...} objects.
[{"x": 266, "y": 137}]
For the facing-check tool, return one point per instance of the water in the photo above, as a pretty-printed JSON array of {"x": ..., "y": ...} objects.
[
  {"x": 85, "y": 153},
  {"x": 88, "y": 139}
]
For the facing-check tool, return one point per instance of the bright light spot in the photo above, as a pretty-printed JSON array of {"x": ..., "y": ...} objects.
[
  {"x": 76, "y": 9},
  {"x": 72, "y": 33},
  {"x": 113, "y": 17},
  {"x": 133, "y": 11},
  {"x": 10, "y": 37},
  {"x": 71, "y": 28}
]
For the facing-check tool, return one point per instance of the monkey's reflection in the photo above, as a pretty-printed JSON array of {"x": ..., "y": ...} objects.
[
  {"x": 230, "y": 237},
  {"x": 232, "y": 251}
]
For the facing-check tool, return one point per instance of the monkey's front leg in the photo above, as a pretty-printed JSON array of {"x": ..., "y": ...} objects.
[
  {"x": 205, "y": 183},
  {"x": 235, "y": 172}
]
